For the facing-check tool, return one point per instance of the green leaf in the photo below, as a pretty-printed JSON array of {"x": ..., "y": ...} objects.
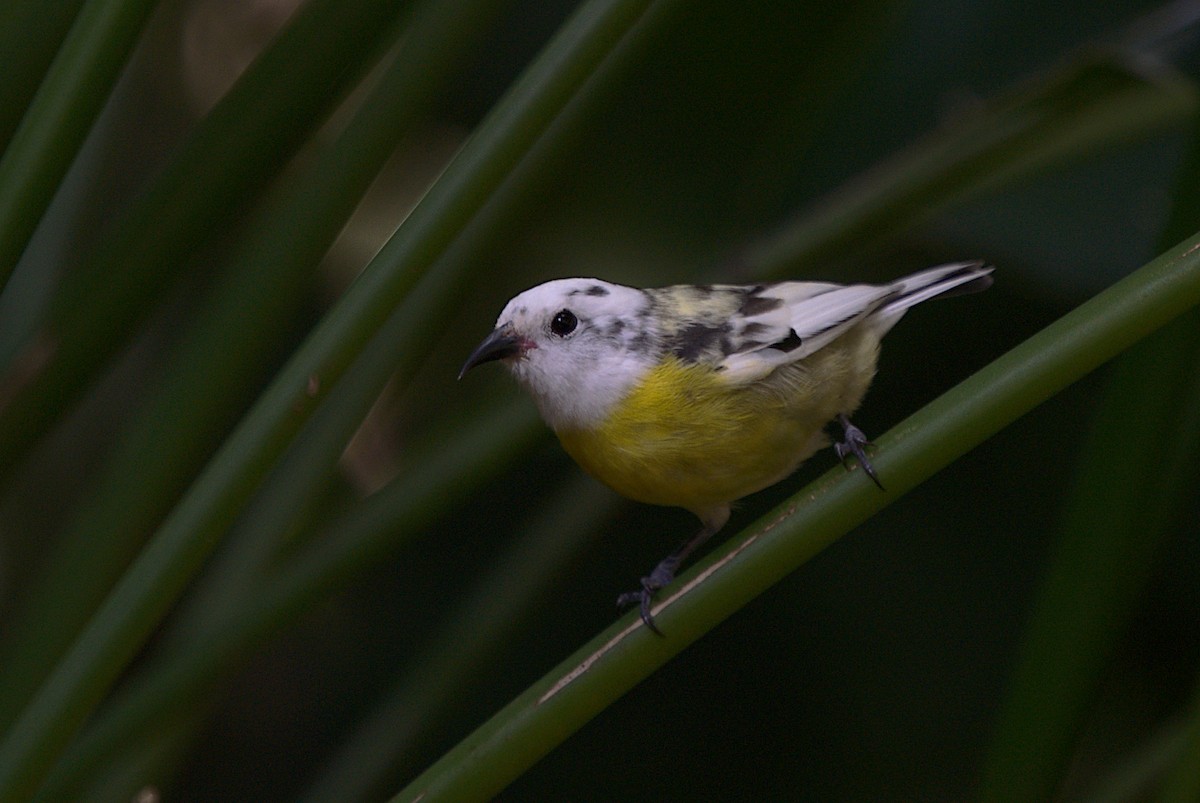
[
  {"x": 174, "y": 554},
  {"x": 1095, "y": 100},
  {"x": 31, "y": 33},
  {"x": 60, "y": 116},
  {"x": 450, "y": 469},
  {"x": 206, "y": 384},
  {"x": 223, "y": 164},
  {"x": 1132, "y": 483},
  {"x": 485, "y": 620}
]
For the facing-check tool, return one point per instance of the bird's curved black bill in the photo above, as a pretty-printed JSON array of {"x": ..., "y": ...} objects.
[{"x": 499, "y": 345}]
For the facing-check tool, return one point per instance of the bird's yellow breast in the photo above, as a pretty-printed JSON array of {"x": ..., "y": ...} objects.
[{"x": 685, "y": 436}]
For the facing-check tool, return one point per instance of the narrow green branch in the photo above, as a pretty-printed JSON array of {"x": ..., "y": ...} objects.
[
  {"x": 486, "y": 618},
  {"x": 31, "y": 34},
  {"x": 1132, "y": 473},
  {"x": 206, "y": 383},
  {"x": 60, "y": 116},
  {"x": 1092, "y": 101},
  {"x": 1131, "y": 485},
  {"x": 222, "y": 165},
  {"x": 753, "y": 561},
  {"x": 174, "y": 554},
  {"x": 451, "y": 468}
]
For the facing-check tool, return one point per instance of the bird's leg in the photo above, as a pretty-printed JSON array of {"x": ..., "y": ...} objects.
[
  {"x": 663, "y": 574},
  {"x": 854, "y": 442}
]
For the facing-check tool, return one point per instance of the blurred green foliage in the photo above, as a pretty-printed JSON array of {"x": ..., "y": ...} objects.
[{"x": 187, "y": 351}]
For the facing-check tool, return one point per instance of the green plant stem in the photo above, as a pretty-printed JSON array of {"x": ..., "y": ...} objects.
[
  {"x": 611, "y": 664},
  {"x": 1130, "y": 486},
  {"x": 189, "y": 534},
  {"x": 31, "y": 34},
  {"x": 1093, "y": 101},
  {"x": 451, "y": 469},
  {"x": 1132, "y": 482},
  {"x": 486, "y": 619},
  {"x": 286, "y": 496},
  {"x": 228, "y": 159},
  {"x": 206, "y": 383},
  {"x": 60, "y": 116}
]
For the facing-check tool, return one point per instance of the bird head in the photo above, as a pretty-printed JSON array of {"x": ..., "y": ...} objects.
[{"x": 577, "y": 346}]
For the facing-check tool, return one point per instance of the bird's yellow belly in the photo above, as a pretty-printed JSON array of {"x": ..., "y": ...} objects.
[{"x": 686, "y": 437}]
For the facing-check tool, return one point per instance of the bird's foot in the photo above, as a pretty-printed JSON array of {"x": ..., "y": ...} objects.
[
  {"x": 855, "y": 443},
  {"x": 662, "y": 575}
]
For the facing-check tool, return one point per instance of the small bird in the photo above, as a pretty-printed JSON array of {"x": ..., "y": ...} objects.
[{"x": 695, "y": 396}]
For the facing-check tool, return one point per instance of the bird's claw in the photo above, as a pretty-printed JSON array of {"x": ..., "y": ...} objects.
[
  {"x": 642, "y": 598},
  {"x": 662, "y": 575},
  {"x": 855, "y": 443}
]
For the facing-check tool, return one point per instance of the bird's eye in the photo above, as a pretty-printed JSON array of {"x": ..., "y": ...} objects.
[{"x": 564, "y": 323}]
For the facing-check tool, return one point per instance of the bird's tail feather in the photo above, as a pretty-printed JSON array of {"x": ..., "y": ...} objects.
[{"x": 954, "y": 279}]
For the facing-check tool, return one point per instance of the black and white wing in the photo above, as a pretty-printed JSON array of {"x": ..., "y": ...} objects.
[{"x": 785, "y": 322}]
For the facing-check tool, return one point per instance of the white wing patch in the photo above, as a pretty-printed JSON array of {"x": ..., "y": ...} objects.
[
  {"x": 811, "y": 316},
  {"x": 789, "y": 321}
]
